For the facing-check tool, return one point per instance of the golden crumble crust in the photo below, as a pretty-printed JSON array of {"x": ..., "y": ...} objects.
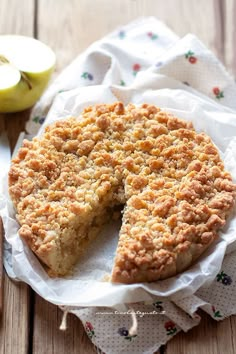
[{"x": 171, "y": 180}]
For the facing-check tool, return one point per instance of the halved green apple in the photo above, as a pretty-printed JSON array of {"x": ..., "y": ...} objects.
[{"x": 26, "y": 65}]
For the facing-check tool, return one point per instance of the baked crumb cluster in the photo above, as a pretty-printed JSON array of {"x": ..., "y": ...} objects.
[{"x": 170, "y": 179}]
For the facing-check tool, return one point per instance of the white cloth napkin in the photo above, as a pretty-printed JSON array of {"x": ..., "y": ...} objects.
[{"x": 129, "y": 54}]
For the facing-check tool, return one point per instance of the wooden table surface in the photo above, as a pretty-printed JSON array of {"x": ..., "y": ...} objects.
[{"x": 29, "y": 324}]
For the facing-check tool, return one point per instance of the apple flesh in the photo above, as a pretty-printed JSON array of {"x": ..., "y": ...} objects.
[{"x": 26, "y": 65}]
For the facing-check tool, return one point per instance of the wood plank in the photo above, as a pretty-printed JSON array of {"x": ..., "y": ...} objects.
[
  {"x": 209, "y": 337},
  {"x": 219, "y": 30},
  {"x": 70, "y": 26},
  {"x": 233, "y": 331},
  {"x": 14, "y": 324},
  {"x": 230, "y": 35},
  {"x": 15, "y": 18},
  {"x": 1, "y": 267},
  {"x": 48, "y": 338},
  {"x": 13, "y": 124}
]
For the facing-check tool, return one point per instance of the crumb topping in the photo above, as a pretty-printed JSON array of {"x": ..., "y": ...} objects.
[{"x": 170, "y": 178}]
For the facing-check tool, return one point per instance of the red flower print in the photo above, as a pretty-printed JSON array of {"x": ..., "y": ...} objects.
[
  {"x": 192, "y": 60},
  {"x": 169, "y": 325},
  {"x": 191, "y": 57},
  {"x": 136, "y": 67},
  {"x": 88, "y": 326},
  {"x": 170, "y": 328},
  {"x": 152, "y": 35},
  {"x": 217, "y": 92},
  {"x": 215, "y": 312},
  {"x": 89, "y": 329}
]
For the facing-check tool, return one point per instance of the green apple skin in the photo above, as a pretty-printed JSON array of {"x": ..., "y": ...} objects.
[{"x": 20, "y": 96}]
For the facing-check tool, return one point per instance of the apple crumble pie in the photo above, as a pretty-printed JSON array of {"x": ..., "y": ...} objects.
[{"x": 170, "y": 179}]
